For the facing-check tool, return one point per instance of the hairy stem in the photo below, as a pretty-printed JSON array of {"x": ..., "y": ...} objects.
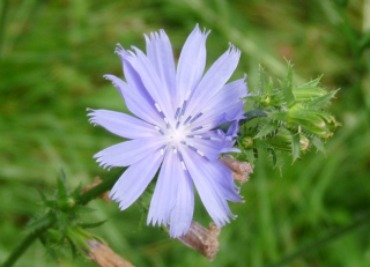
[
  {"x": 23, "y": 246},
  {"x": 82, "y": 199},
  {"x": 98, "y": 190}
]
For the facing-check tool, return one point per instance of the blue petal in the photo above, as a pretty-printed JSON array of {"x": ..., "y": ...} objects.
[
  {"x": 122, "y": 124},
  {"x": 182, "y": 213},
  {"x": 208, "y": 145},
  {"x": 214, "y": 193},
  {"x": 191, "y": 64},
  {"x": 222, "y": 177},
  {"x": 159, "y": 52},
  {"x": 215, "y": 78},
  {"x": 226, "y": 103},
  {"x": 129, "y": 152},
  {"x": 173, "y": 199},
  {"x": 146, "y": 72},
  {"x": 135, "y": 180},
  {"x": 136, "y": 98},
  {"x": 163, "y": 198}
]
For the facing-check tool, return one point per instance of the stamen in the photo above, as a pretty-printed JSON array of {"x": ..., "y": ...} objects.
[
  {"x": 183, "y": 165},
  {"x": 187, "y": 120},
  {"x": 184, "y": 105},
  {"x": 157, "y": 107},
  {"x": 191, "y": 147},
  {"x": 177, "y": 113},
  {"x": 167, "y": 122},
  {"x": 197, "y": 128},
  {"x": 196, "y": 136},
  {"x": 159, "y": 130},
  {"x": 182, "y": 162},
  {"x": 196, "y": 117}
]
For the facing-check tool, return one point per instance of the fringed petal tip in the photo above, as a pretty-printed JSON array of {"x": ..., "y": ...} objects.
[
  {"x": 100, "y": 158},
  {"x": 203, "y": 31},
  {"x": 155, "y": 36},
  {"x": 233, "y": 50},
  {"x": 103, "y": 165},
  {"x": 119, "y": 50},
  {"x": 91, "y": 115},
  {"x": 220, "y": 222},
  {"x": 176, "y": 232},
  {"x": 119, "y": 84},
  {"x": 113, "y": 195}
]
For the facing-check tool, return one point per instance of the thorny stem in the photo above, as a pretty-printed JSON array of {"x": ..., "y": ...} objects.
[
  {"x": 82, "y": 199},
  {"x": 23, "y": 246},
  {"x": 100, "y": 188}
]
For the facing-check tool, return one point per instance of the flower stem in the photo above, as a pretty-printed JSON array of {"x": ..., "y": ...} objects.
[
  {"x": 98, "y": 190},
  {"x": 23, "y": 246},
  {"x": 82, "y": 199}
]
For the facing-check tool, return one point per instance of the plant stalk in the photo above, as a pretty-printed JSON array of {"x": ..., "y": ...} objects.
[
  {"x": 23, "y": 246},
  {"x": 82, "y": 199}
]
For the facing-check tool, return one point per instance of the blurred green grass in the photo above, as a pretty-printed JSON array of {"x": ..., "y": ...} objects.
[{"x": 52, "y": 58}]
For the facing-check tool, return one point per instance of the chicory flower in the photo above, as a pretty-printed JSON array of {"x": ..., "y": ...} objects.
[{"x": 182, "y": 121}]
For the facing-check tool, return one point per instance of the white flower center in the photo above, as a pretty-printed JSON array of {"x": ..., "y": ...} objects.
[
  {"x": 176, "y": 136},
  {"x": 179, "y": 129}
]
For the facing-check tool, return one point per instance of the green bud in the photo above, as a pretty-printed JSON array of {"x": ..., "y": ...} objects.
[
  {"x": 247, "y": 142},
  {"x": 67, "y": 204}
]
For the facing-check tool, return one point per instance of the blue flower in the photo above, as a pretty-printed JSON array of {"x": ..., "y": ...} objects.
[{"x": 174, "y": 130}]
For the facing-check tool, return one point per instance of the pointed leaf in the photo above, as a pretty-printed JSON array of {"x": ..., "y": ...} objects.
[
  {"x": 92, "y": 225},
  {"x": 265, "y": 130},
  {"x": 295, "y": 146},
  {"x": 61, "y": 187}
]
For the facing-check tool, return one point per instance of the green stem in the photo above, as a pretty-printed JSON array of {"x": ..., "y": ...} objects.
[
  {"x": 321, "y": 242},
  {"x": 83, "y": 199},
  {"x": 254, "y": 114},
  {"x": 23, "y": 246},
  {"x": 98, "y": 190},
  {"x": 251, "y": 115},
  {"x": 3, "y": 14}
]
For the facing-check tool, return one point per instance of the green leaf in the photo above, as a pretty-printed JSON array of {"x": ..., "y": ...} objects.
[
  {"x": 92, "y": 225},
  {"x": 265, "y": 130},
  {"x": 287, "y": 87},
  {"x": 317, "y": 143},
  {"x": 295, "y": 146},
  {"x": 61, "y": 187},
  {"x": 37, "y": 223},
  {"x": 320, "y": 102}
]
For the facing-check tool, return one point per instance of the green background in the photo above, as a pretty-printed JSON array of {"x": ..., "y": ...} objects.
[{"x": 52, "y": 58}]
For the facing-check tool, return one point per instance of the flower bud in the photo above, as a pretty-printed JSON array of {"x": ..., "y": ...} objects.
[
  {"x": 240, "y": 170},
  {"x": 202, "y": 239},
  {"x": 103, "y": 256}
]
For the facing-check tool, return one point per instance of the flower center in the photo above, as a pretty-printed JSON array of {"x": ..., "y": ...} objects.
[{"x": 176, "y": 136}]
